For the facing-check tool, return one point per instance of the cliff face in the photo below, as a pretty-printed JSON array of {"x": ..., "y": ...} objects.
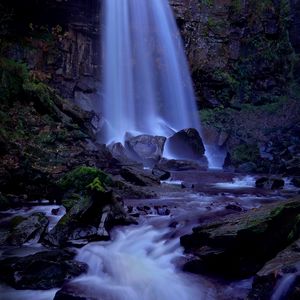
[
  {"x": 59, "y": 40},
  {"x": 239, "y": 51}
]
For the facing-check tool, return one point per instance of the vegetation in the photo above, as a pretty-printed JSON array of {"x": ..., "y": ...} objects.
[{"x": 83, "y": 178}]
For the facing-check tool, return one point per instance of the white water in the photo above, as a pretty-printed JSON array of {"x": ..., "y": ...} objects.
[
  {"x": 146, "y": 82},
  {"x": 238, "y": 183},
  {"x": 138, "y": 264}
]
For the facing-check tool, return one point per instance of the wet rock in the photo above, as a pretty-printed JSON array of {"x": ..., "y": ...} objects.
[
  {"x": 41, "y": 271},
  {"x": 182, "y": 165},
  {"x": 89, "y": 216},
  {"x": 247, "y": 167},
  {"x": 74, "y": 292},
  {"x": 24, "y": 229},
  {"x": 296, "y": 182},
  {"x": 239, "y": 245},
  {"x": 281, "y": 275},
  {"x": 138, "y": 176},
  {"x": 186, "y": 144},
  {"x": 269, "y": 183},
  {"x": 234, "y": 206},
  {"x": 160, "y": 173},
  {"x": 146, "y": 148}
]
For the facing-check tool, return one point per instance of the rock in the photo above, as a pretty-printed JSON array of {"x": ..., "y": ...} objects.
[
  {"x": 186, "y": 144},
  {"x": 296, "y": 182},
  {"x": 88, "y": 219},
  {"x": 24, "y": 229},
  {"x": 41, "y": 271},
  {"x": 182, "y": 165},
  {"x": 269, "y": 280},
  {"x": 138, "y": 176},
  {"x": 146, "y": 148},
  {"x": 74, "y": 292},
  {"x": 239, "y": 245},
  {"x": 269, "y": 183},
  {"x": 160, "y": 173}
]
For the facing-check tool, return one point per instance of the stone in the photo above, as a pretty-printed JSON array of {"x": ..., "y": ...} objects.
[
  {"x": 186, "y": 144},
  {"x": 89, "y": 218},
  {"x": 24, "y": 229},
  {"x": 41, "y": 271},
  {"x": 269, "y": 183},
  {"x": 146, "y": 148},
  {"x": 240, "y": 244},
  {"x": 296, "y": 182},
  {"x": 138, "y": 176},
  {"x": 160, "y": 173},
  {"x": 182, "y": 165}
]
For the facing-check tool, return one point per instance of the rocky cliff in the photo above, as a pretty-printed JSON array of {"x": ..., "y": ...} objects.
[{"x": 243, "y": 57}]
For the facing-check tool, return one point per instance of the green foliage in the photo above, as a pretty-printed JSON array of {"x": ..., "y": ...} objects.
[
  {"x": 96, "y": 185},
  {"x": 208, "y": 3},
  {"x": 80, "y": 178},
  {"x": 12, "y": 77},
  {"x": 245, "y": 153}
]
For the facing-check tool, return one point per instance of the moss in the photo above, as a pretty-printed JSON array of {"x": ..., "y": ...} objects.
[
  {"x": 70, "y": 201},
  {"x": 14, "y": 222},
  {"x": 245, "y": 153},
  {"x": 12, "y": 76},
  {"x": 80, "y": 178},
  {"x": 96, "y": 185}
]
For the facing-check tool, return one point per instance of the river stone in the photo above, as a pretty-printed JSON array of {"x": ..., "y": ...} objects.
[
  {"x": 138, "y": 176},
  {"x": 89, "y": 219},
  {"x": 24, "y": 229},
  {"x": 186, "y": 144},
  {"x": 239, "y": 245},
  {"x": 160, "y": 173},
  {"x": 146, "y": 148},
  {"x": 182, "y": 165},
  {"x": 41, "y": 271}
]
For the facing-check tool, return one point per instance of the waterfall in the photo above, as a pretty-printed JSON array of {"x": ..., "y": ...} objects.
[{"x": 147, "y": 86}]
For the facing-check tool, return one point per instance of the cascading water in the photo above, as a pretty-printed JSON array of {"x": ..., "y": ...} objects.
[
  {"x": 147, "y": 85},
  {"x": 137, "y": 265}
]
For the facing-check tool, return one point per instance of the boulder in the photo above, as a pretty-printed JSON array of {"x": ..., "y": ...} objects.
[
  {"x": 161, "y": 174},
  {"x": 88, "y": 219},
  {"x": 74, "y": 292},
  {"x": 23, "y": 229},
  {"x": 146, "y": 148},
  {"x": 186, "y": 144},
  {"x": 41, "y": 271},
  {"x": 239, "y": 245},
  {"x": 280, "y": 276},
  {"x": 138, "y": 176},
  {"x": 269, "y": 183},
  {"x": 182, "y": 165},
  {"x": 296, "y": 182}
]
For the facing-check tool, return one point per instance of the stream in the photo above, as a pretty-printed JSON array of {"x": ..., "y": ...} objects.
[{"x": 144, "y": 261}]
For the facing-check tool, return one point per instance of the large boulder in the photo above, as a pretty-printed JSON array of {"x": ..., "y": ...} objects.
[
  {"x": 22, "y": 229},
  {"x": 41, "y": 271},
  {"x": 146, "y": 148},
  {"x": 92, "y": 209},
  {"x": 239, "y": 245},
  {"x": 89, "y": 218},
  {"x": 186, "y": 144}
]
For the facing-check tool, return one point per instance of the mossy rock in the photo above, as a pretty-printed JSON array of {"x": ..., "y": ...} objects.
[
  {"x": 4, "y": 203},
  {"x": 239, "y": 245},
  {"x": 85, "y": 178}
]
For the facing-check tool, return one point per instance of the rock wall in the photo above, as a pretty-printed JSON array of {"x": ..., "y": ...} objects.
[{"x": 239, "y": 51}]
